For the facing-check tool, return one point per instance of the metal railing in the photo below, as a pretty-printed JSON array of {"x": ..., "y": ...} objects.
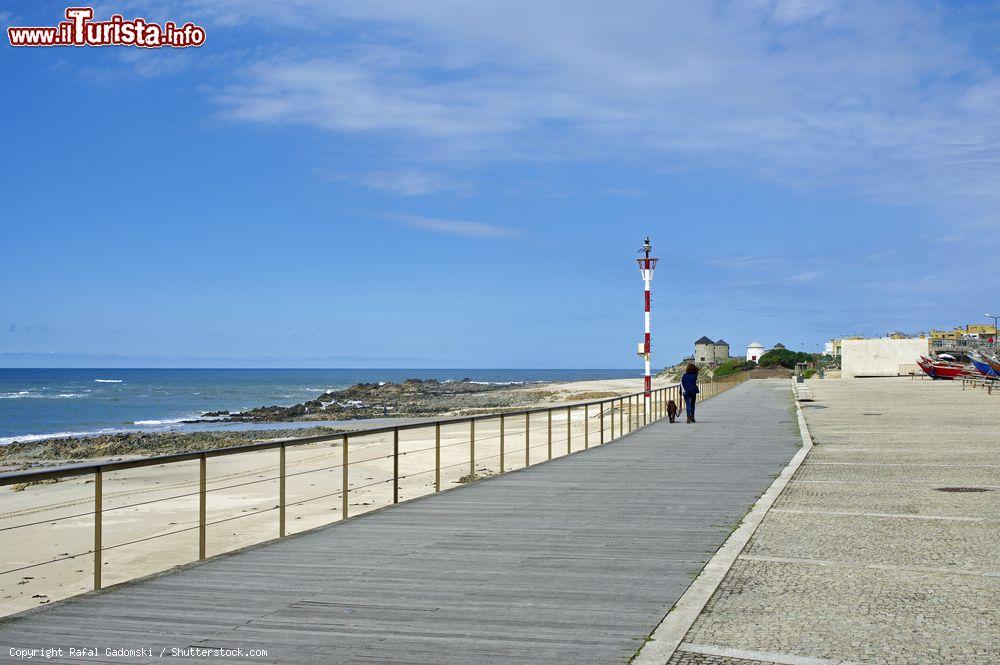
[
  {"x": 987, "y": 383},
  {"x": 598, "y": 422}
]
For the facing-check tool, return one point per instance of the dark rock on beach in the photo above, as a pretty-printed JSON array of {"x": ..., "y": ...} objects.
[{"x": 412, "y": 398}]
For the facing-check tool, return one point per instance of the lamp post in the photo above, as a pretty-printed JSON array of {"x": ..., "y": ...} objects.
[{"x": 647, "y": 265}]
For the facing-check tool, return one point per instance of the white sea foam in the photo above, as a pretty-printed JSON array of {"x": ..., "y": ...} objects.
[
  {"x": 169, "y": 421},
  {"x": 31, "y": 394},
  {"x": 27, "y": 438},
  {"x": 501, "y": 383},
  {"x": 107, "y": 380}
]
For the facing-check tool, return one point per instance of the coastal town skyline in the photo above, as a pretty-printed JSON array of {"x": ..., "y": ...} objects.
[{"x": 441, "y": 190}]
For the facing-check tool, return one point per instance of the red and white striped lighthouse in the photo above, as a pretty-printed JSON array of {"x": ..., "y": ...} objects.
[{"x": 646, "y": 267}]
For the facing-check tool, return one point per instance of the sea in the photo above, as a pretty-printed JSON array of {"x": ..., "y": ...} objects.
[{"x": 41, "y": 403}]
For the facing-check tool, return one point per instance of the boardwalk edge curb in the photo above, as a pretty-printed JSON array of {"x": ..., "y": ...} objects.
[{"x": 667, "y": 636}]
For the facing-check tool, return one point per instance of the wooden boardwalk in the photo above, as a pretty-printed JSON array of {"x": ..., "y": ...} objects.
[{"x": 573, "y": 561}]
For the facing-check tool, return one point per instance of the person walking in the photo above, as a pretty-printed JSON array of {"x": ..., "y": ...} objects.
[{"x": 689, "y": 384}]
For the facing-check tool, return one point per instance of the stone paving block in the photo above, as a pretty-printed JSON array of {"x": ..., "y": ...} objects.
[
  {"x": 688, "y": 658},
  {"x": 910, "y": 475},
  {"x": 887, "y": 453},
  {"x": 881, "y": 540},
  {"x": 855, "y": 614},
  {"x": 884, "y": 498}
]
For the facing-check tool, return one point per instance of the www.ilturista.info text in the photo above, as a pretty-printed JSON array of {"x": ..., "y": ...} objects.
[{"x": 80, "y": 30}]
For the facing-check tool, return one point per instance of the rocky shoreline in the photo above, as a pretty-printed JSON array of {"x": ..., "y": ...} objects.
[{"x": 411, "y": 398}]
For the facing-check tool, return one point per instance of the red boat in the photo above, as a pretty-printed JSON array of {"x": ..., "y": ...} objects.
[{"x": 941, "y": 369}]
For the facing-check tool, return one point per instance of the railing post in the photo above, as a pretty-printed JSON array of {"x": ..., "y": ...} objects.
[
  {"x": 550, "y": 433},
  {"x": 527, "y": 440},
  {"x": 621, "y": 416},
  {"x": 202, "y": 504},
  {"x": 346, "y": 490},
  {"x": 612, "y": 419},
  {"x": 569, "y": 430},
  {"x": 98, "y": 508},
  {"x": 501, "y": 442},
  {"x": 281, "y": 491},
  {"x": 601, "y": 418},
  {"x": 395, "y": 465},
  {"x": 437, "y": 457},
  {"x": 586, "y": 426},
  {"x": 472, "y": 450}
]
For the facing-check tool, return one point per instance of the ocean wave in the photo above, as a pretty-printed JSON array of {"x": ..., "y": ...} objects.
[
  {"x": 30, "y": 394},
  {"x": 501, "y": 383},
  {"x": 168, "y": 421},
  {"x": 107, "y": 380},
  {"x": 28, "y": 438}
]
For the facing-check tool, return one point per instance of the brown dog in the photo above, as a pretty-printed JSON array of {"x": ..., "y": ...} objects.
[{"x": 672, "y": 411}]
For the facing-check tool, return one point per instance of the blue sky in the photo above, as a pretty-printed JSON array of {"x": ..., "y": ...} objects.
[{"x": 455, "y": 184}]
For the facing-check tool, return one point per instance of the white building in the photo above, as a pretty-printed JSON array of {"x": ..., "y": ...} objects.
[
  {"x": 881, "y": 357},
  {"x": 754, "y": 351}
]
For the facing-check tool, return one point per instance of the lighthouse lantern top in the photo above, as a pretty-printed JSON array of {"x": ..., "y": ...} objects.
[{"x": 647, "y": 264}]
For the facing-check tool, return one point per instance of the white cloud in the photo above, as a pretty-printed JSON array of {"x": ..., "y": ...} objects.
[
  {"x": 884, "y": 99},
  {"x": 806, "y": 277},
  {"x": 622, "y": 191},
  {"x": 453, "y": 226},
  {"x": 413, "y": 183}
]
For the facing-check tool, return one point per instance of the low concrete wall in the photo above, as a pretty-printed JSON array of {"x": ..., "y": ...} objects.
[{"x": 881, "y": 357}]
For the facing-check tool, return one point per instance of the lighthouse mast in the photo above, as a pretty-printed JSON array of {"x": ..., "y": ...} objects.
[{"x": 646, "y": 267}]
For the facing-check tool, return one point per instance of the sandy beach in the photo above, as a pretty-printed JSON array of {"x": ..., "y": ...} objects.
[{"x": 150, "y": 514}]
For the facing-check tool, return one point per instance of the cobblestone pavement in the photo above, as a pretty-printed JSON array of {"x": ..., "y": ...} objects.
[{"x": 863, "y": 559}]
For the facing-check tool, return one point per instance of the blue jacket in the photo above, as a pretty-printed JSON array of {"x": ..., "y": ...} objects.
[{"x": 689, "y": 382}]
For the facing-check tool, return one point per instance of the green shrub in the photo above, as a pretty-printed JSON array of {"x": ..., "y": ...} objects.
[
  {"x": 732, "y": 367},
  {"x": 808, "y": 373},
  {"x": 785, "y": 358}
]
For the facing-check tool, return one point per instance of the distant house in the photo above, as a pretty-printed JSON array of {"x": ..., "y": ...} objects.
[{"x": 754, "y": 351}]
